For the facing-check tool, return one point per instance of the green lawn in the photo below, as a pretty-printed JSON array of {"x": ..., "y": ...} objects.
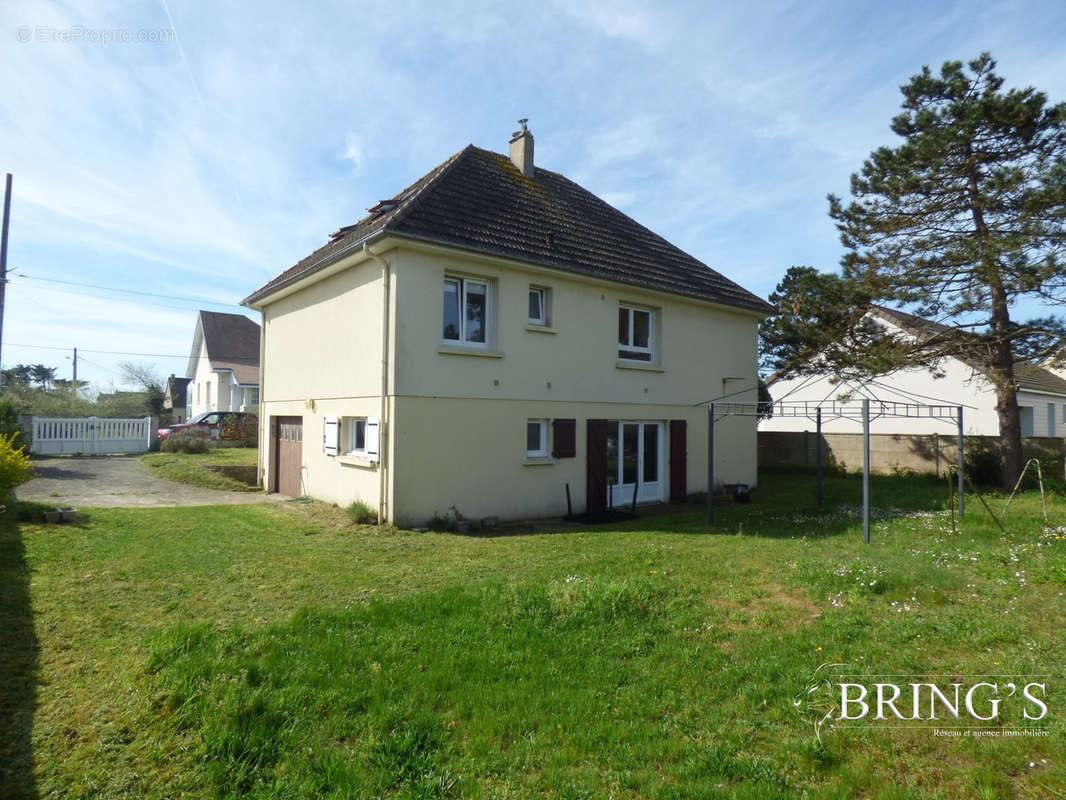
[
  {"x": 192, "y": 468},
  {"x": 276, "y": 651}
]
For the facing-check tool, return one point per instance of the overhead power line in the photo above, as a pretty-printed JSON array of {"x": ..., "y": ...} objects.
[
  {"x": 106, "y": 352},
  {"x": 182, "y": 298}
]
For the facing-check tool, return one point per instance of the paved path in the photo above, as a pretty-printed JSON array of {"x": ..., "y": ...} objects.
[{"x": 116, "y": 482}]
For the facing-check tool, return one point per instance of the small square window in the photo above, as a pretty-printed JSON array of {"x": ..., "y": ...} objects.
[
  {"x": 356, "y": 435},
  {"x": 538, "y": 313},
  {"x": 537, "y": 438}
]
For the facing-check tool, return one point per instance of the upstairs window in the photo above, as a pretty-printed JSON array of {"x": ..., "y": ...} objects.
[
  {"x": 538, "y": 313},
  {"x": 636, "y": 334},
  {"x": 466, "y": 311}
]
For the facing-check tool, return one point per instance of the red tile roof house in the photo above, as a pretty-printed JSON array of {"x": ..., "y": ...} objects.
[{"x": 491, "y": 336}]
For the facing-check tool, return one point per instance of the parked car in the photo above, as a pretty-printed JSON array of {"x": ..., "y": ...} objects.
[{"x": 210, "y": 423}]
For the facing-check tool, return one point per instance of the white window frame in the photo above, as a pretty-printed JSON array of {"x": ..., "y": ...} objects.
[
  {"x": 462, "y": 284},
  {"x": 628, "y": 346},
  {"x": 371, "y": 438},
  {"x": 542, "y": 451},
  {"x": 351, "y": 427},
  {"x": 543, "y": 319}
]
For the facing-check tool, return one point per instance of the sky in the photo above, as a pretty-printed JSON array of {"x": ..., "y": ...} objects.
[{"x": 192, "y": 151}]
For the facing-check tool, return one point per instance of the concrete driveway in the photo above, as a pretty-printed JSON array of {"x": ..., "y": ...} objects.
[{"x": 118, "y": 482}]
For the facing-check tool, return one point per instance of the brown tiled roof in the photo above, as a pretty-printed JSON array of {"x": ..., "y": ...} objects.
[
  {"x": 232, "y": 342},
  {"x": 1026, "y": 375},
  {"x": 479, "y": 201}
]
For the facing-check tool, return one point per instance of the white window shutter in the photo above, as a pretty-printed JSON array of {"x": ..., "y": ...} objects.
[
  {"x": 331, "y": 436},
  {"x": 373, "y": 428}
]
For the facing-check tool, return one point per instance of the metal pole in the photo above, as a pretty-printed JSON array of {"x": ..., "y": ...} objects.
[
  {"x": 75, "y": 365},
  {"x": 710, "y": 464},
  {"x": 818, "y": 453},
  {"x": 866, "y": 471},
  {"x": 962, "y": 468},
  {"x": 3, "y": 255}
]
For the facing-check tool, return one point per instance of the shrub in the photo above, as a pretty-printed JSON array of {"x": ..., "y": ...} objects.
[
  {"x": 362, "y": 514},
  {"x": 186, "y": 441},
  {"x": 983, "y": 464},
  {"x": 15, "y": 466},
  {"x": 9, "y": 419},
  {"x": 250, "y": 433},
  {"x": 243, "y": 429}
]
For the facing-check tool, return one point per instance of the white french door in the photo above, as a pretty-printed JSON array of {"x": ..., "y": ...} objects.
[{"x": 634, "y": 461}]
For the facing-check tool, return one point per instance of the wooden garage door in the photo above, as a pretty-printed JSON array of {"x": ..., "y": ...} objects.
[{"x": 288, "y": 449}]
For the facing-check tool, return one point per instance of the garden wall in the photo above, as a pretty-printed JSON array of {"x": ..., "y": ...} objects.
[{"x": 890, "y": 452}]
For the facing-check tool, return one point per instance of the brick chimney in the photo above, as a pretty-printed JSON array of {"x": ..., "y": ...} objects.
[{"x": 522, "y": 149}]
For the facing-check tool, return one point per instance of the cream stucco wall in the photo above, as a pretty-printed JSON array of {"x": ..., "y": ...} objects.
[
  {"x": 456, "y": 433},
  {"x": 335, "y": 479},
  {"x": 321, "y": 357},
  {"x": 471, "y": 454},
  {"x": 699, "y": 345}
]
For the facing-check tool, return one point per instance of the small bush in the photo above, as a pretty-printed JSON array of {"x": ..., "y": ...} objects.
[
  {"x": 187, "y": 441},
  {"x": 9, "y": 419},
  {"x": 250, "y": 432},
  {"x": 983, "y": 464},
  {"x": 362, "y": 514},
  {"x": 242, "y": 429},
  {"x": 15, "y": 466}
]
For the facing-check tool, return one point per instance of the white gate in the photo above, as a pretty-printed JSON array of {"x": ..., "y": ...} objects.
[{"x": 91, "y": 435}]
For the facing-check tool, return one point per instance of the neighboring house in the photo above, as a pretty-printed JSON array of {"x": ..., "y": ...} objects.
[
  {"x": 1041, "y": 394},
  {"x": 492, "y": 336},
  {"x": 223, "y": 368},
  {"x": 176, "y": 401}
]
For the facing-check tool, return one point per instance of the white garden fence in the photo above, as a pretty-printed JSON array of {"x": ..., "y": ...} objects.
[{"x": 53, "y": 436}]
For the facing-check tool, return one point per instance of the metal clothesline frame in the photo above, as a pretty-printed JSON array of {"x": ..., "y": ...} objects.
[{"x": 864, "y": 410}]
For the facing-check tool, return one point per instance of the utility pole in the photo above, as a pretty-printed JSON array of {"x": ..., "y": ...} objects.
[
  {"x": 75, "y": 365},
  {"x": 3, "y": 258}
]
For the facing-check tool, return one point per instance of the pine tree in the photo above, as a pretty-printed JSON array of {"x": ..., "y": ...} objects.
[{"x": 960, "y": 221}]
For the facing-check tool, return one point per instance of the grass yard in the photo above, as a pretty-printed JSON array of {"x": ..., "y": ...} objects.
[
  {"x": 193, "y": 468},
  {"x": 276, "y": 651}
]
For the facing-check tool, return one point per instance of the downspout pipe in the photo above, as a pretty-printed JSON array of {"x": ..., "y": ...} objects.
[
  {"x": 263, "y": 459},
  {"x": 384, "y": 432}
]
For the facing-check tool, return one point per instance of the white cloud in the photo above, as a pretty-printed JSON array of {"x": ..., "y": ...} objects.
[{"x": 353, "y": 151}]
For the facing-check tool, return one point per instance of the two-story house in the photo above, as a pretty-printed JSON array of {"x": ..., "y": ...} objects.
[
  {"x": 223, "y": 372},
  {"x": 492, "y": 336}
]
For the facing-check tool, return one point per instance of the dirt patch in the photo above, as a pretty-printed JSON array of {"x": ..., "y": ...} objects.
[{"x": 781, "y": 609}]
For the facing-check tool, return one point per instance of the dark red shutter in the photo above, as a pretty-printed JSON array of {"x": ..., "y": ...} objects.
[
  {"x": 678, "y": 461},
  {"x": 564, "y": 438},
  {"x": 596, "y": 469}
]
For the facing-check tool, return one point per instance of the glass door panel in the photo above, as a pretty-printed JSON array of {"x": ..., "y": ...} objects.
[{"x": 634, "y": 461}]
